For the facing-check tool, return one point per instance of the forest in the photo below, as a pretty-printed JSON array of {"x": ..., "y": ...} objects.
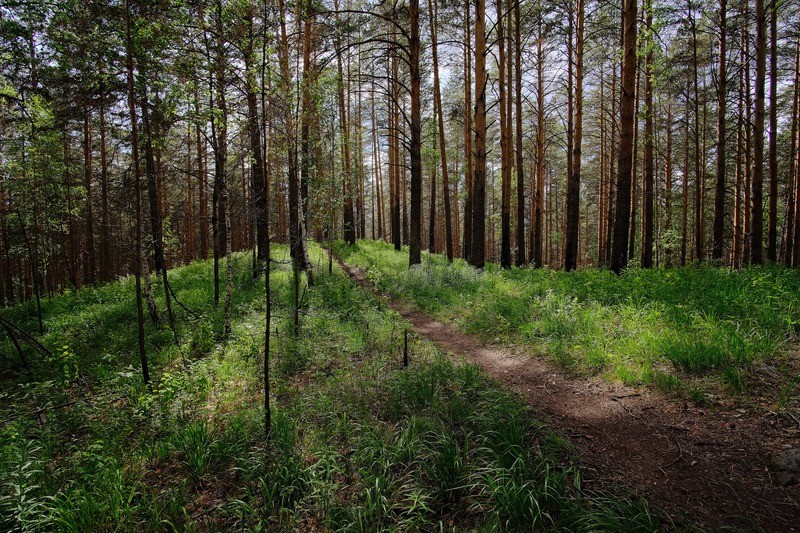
[{"x": 399, "y": 265}]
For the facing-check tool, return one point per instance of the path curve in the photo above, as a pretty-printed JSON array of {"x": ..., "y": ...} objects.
[{"x": 700, "y": 465}]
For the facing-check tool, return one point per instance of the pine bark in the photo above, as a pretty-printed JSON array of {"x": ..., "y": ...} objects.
[
  {"x": 89, "y": 255},
  {"x": 574, "y": 181},
  {"x": 477, "y": 256},
  {"x": 415, "y": 241},
  {"x": 648, "y": 205},
  {"x": 520, "y": 258},
  {"x": 537, "y": 197},
  {"x": 137, "y": 194},
  {"x": 772, "y": 225},
  {"x": 722, "y": 96},
  {"x": 619, "y": 257},
  {"x": 757, "y": 246},
  {"x": 437, "y": 102},
  {"x": 468, "y": 154},
  {"x": 505, "y": 170}
]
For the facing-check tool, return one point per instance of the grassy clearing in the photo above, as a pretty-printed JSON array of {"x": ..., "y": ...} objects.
[
  {"x": 670, "y": 328},
  {"x": 358, "y": 443}
]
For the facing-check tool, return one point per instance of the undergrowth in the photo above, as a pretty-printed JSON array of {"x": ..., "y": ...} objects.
[
  {"x": 358, "y": 443},
  {"x": 665, "y": 327}
]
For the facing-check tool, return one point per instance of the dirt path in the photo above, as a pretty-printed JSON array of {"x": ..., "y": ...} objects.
[{"x": 701, "y": 465}]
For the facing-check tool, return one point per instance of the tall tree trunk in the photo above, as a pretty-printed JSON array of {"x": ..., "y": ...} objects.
[
  {"x": 416, "y": 138},
  {"x": 648, "y": 205},
  {"x": 394, "y": 149},
  {"x": 793, "y": 225},
  {"x": 538, "y": 193},
  {"x": 402, "y": 165},
  {"x": 699, "y": 245},
  {"x": 202, "y": 199},
  {"x": 297, "y": 245},
  {"x": 432, "y": 217},
  {"x": 267, "y": 327},
  {"x": 188, "y": 222},
  {"x": 221, "y": 160},
  {"x": 348, "y": 217},
  {"x": 505, "y": 170},
  {"x": 219, "y": 140},
  {"x": 376, "y": 158},
  {"x": 602, "y": 213},
  {"x": 520, "y": 258},
  {"x": 619, "y": 257},
  {"x": 362, "y": 220},
  {"x": 748, "y": 144},
  {"x": 456, "y": 214},
  {"x": 468, "y": 154},
  {"x": 757, "y": 247},
  {"x": 156, "y": 228},
  {"x": 89, "y": 257},
  {"x": 668, "y": 185},
  {"x": 509, "y": 117},
  {"x": 258, "y": 182},
  {"x": 105, "y": 221},
  {"x": 613, "y": 156},
  {"x": 71, "y": 245},
  {"x": 574, "y": 181},
  {"x": 772, "y": 230},
  {"x": 479, "y": 184},
  {"x": 736, "y": 253},
  {"x": 722, "y": 96},
  {"x": 137, "y": 193},
  {"x": 685, "y": 180},
  {"x": 570, "y": 125},
  {"x": 437, "y": 103}
]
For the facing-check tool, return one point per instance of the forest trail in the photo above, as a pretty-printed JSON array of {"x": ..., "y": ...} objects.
[{"x": 706, "y": 465}]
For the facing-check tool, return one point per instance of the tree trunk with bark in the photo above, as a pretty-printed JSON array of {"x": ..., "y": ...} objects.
[
  {"x": 756, "y": 246},
  {"x": 619, "y": 256},
  {"x": 479, "y": 183},
  {"x": 722, "y": 96}
]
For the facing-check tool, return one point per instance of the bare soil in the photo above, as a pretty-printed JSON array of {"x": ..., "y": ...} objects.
[{"x": 702, "y": 466}]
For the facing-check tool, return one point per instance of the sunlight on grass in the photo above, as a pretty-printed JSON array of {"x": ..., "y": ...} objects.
[
  {"x": 358, "y": 443},
  {"x": 700, "y": 320}
]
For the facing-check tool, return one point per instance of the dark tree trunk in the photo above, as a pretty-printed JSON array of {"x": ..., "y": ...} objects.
[
  {"x": 479, "y": 183},
  {"x": 437, "y": 102},
  {"x": 505, "y": 170},
  {"x": 137, "y": 193},
  {"x": 106, "y": 273},
  {"x": 722, "y": 96},
  {"x": 648, "y": 205},
  {"x": 258, "y": 181},
  {"x": 156, "y": 228},
  {"x": 520, "y": 258},
  {"x": 468, "y": 154},
  {"x": 756, "y": 246},
  {"x": 537, "y": 251},
  {"x": 793, "y": 225},
  {"x": 414, "y": 247},
  {"x": 619, "y": 257},
  {"x": 772, "y": 230},
  {"x": 574, "y": 181},
  {"x": 88, "y": 251}
]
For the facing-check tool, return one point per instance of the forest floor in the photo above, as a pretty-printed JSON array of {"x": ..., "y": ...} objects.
[
  {"x": 358, "y": 442},
  {"x": 713, "y": 464}
]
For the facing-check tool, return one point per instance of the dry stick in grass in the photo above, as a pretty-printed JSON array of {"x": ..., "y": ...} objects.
[
  {"x": 405, "y": 348},
  {"x": 22, "y": 357}
]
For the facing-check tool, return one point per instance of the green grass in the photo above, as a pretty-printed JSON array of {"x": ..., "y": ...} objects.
[
  {"x": 664, "y": 327},
  {"x": 358, "y": 443}
]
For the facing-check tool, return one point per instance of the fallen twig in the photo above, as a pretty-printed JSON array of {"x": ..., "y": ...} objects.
[{"x": 627, "y": 409}]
